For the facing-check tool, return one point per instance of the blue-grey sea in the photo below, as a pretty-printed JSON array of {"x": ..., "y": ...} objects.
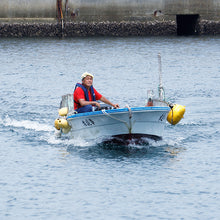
[{"x": 46, "y": 177}]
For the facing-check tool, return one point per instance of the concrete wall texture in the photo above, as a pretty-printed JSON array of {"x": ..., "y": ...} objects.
[
  {"x": 27, "y": 8},
  {"x": 110, "y": 10}
]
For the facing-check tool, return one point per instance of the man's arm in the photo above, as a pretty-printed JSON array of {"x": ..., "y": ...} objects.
[
  {"x": 106, "y": 101},
  {"x": 83, "y": 102}
]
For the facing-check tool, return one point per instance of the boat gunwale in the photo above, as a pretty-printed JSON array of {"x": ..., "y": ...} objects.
[{"x": 121, "y": 110}]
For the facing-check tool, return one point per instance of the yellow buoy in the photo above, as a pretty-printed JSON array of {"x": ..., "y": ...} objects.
[
  {"x": 63, "y": 111},
  {"x": 56, "y": 124},
  {"x": 176, "y": 114},
  {"x": 63, "y": 123}
]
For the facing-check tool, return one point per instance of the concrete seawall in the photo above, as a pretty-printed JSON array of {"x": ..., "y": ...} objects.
[
  {"x": 82, "y": 29},
  {"x": 109, "y": 10},
  {"x": 45, "y": 18}
]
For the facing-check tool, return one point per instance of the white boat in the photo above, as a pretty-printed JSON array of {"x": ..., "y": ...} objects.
[
  {"x": 116, "y": 124},
  {"x": 124, "y": 123}
]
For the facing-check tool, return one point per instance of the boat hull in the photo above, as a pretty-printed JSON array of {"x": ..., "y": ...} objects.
[{"x": 125, "y": 123}]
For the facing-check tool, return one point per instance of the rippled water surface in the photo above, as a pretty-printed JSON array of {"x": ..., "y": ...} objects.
[{"x": 45, "y": 177}]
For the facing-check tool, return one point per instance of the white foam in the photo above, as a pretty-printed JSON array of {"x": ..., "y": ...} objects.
[
  {"x": 27, "y": 124},
  {"x": 57, "y": 139}
]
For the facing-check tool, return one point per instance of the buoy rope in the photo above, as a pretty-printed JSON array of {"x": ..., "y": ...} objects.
[
  {"x": 172, "y": 116},
  {"x": 170, "y": 104}
]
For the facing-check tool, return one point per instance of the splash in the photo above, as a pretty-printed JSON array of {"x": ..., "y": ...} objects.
[
  {"x": 56, "y": 139},
  {"x": 26, "y": 124},
  {"x": 53, "y": 137}
]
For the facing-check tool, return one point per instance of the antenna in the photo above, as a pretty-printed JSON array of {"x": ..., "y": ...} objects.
[{"x": 160, "y": 89}]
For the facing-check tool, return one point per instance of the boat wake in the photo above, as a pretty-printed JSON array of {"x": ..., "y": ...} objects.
[
  {"x": 26, "y": 124},
  {"x": 43, "y": 133}
]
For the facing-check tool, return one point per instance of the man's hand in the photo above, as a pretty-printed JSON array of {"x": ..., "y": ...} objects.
[
  {"x": 98, "y": 105},
  {"x": 116, "y": 105}
]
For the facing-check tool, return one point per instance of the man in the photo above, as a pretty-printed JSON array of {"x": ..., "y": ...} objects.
[{"x": 85, "y": 95}]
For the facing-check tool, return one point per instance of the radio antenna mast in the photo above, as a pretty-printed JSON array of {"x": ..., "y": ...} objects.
[{"x": 160, "y": 88}]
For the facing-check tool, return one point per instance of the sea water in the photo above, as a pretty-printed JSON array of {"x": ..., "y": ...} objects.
[{"x": 43, "y": 176}]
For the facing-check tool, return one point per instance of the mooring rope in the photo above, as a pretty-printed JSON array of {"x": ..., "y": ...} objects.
[
  {"x": 117, "y": 119},
  {"x": 130, "y": 112}
]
